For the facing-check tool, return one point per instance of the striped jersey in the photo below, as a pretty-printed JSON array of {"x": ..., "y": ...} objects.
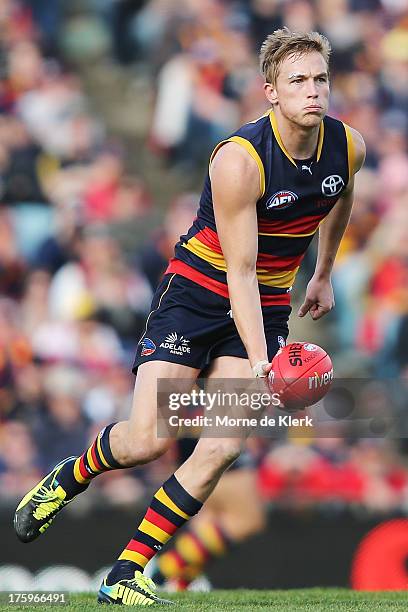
[{"x": 296, "y": 196}]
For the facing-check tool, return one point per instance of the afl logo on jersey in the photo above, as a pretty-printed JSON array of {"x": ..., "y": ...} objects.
[
  {"x": 281, "y": 199},
  {"x": 332, "y": 185}
]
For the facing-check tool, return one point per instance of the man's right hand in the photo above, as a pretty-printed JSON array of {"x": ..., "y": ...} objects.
[{"x": 261, "y": 369}]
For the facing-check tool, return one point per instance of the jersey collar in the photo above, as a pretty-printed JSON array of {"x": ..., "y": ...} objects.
[{"x": 275, "y": 130}]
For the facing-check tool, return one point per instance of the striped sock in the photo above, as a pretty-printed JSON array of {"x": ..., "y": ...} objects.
[
  {"x": 192, "y": 550},
  {"x": 76, "y": 475},
  {"x": 170, "y": 508}
]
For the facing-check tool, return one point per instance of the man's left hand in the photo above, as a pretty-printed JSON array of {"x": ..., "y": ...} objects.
[{"x": 319, "y": 299}]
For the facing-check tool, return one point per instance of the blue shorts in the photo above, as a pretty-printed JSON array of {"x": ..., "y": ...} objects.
[{"x": 191, "y": 325}]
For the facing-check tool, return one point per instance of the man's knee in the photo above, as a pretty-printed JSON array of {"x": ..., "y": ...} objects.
[{"x": 219, "y": 454}]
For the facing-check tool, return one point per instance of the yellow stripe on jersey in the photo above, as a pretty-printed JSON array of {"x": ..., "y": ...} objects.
[
  {"x": 254, "y": 154},
  {"x": 278, "y": 137},
  {"x": 292, "y": 235},
  {"x": 248, "y": 146},
  {"x": 289, "y": 235},
  {"x": 217, "y": 260},
  {"x": 162, "y": 496},
  {"x": 204, "y": 252},
  {"x": 281, "y": 280},
  {"x": 350, "y": 150},
  {"x": 320, "y": 141}
]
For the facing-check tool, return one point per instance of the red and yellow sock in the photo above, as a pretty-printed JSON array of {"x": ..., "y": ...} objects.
[
  {"x": 97, "y": 459},
  {"x": 172, "y": 506},
  {"x": 192, "y": 550},
  {"x": 75, "y": 475}
]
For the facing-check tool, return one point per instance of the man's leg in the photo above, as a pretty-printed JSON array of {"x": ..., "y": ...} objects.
[
  {"x": 125, "y": 444},
  {"x": 212, "y": 456},
  {"x": 233, "y": 513},
  {"x": 183, "y": 494}
]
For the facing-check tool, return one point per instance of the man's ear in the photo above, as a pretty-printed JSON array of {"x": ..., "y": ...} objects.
[{"x": 271, "y": 93}]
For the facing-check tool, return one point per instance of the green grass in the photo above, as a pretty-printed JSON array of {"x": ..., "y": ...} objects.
[{"x": 302, "y": 600}]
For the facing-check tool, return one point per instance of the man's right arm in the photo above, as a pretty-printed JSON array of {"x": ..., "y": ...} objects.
[{"x": 236, "y": 188}]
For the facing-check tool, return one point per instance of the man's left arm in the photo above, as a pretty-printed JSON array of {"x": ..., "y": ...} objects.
[{"x": 319, "y": 299}]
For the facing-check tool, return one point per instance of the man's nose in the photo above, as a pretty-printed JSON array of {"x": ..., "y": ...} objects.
[{"x": 312, "y": 89}]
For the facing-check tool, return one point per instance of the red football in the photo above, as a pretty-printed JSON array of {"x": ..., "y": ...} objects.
[{"x": 302, "y": 374}]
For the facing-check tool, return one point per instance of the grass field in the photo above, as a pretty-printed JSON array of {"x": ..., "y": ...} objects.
[{"x": 316, "y": 600}]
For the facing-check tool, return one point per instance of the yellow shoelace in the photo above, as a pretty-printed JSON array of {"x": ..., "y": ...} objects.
[
  {"x": 145, "y": 583},
  {"x": 49, "y": 502}
]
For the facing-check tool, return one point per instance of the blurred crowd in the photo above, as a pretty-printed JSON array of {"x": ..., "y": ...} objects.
[{"x": 81, "y": 249}]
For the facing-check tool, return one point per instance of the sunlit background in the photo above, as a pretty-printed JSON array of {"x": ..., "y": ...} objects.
[{"x": 109, "y": 111}]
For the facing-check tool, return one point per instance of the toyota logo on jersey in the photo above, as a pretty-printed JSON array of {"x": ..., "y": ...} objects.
[
  {"x": 281, "y": 199},
  {"x": 332, "y": 185}
]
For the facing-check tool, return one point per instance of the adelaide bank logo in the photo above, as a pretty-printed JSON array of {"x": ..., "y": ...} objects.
[
  {"x": 281, "y": 199},
  {"x": 177, "y": 345},
  {"x": 332, "y": 185}
]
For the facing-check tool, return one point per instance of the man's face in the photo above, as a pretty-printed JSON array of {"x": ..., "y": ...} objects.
[{"x": 302, "y": 89}]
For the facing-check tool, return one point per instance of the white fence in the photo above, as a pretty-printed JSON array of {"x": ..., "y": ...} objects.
[{"x": 52, "y": 578}]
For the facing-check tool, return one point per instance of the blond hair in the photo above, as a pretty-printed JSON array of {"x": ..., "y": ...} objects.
[{"x": 283, "y": 43}]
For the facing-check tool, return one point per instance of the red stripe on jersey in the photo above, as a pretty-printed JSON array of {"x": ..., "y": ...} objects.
[
  {"x": 157, "y": 519},
  {"x": 274, "y": 262},
  {"x": 179, "y": 267},
  {"x": 141, "y": 548},
  {"x": 210, "y": 238},
  {"x": 303, "y": 225}
]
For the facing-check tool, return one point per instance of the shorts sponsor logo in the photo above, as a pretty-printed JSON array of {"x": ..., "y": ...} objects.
[
  {"x": 148, "y": 347},
  {"x": 177, "y": 345},
  {"x": 281, "y": 199},
  {"x": 332, "y": 185},
  {"x": 281, "y": 341},
  {"x": 310, "y": 347}
]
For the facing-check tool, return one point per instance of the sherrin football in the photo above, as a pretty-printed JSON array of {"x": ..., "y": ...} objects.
[{"x": 301, "y": 374}]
